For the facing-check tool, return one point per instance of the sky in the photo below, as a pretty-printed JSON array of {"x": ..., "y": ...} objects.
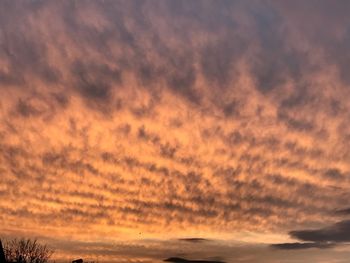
[{"x": 139, "y": 130}]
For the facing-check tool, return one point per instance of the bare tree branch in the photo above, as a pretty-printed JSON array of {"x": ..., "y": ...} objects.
[{"x": 26, "y": 251}]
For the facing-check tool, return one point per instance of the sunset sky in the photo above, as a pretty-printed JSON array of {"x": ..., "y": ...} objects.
[{"x": 136, "y": 130}]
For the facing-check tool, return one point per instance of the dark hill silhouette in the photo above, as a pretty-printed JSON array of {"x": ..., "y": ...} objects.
[{"x": 182, "y": 260}]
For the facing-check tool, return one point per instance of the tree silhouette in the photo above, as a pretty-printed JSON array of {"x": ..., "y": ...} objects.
[{"x": 26, "y": 251}]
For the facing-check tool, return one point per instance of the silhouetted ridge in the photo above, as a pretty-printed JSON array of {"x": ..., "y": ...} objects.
[
  {"x": 182, "y": 260},
  {"x": 305, "y": 245}
]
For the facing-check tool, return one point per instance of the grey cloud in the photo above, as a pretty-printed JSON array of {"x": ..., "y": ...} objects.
[
  {"x": 269, "y": 67},
  {"x": 183, "y": 260},
  {"x": 96, "y": 83},
  {"x": 26, "y": 109},
  {"x": 174, "y": 65},
  {"x": 194, "y": 239},
  {"x": 334, "y": 174},
  {"x": 96, "y": 72},
  {"x": 23, "y": 49},
  {"x": 40, "y": 105},
  {"x": 218, "y": 59},
  {"x": 322, "y": 238},
  {"x": 297, "y": 245},
  {"x": 339, "y": 232},
  {"x": 296, "y": 123},
  {"x": 345, "y": 211}
]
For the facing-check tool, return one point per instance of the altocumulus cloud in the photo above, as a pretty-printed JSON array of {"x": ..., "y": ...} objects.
[{"x": 160, "y": 117}]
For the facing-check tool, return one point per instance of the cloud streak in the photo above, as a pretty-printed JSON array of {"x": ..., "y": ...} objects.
[{"x": 335, "y": 233}]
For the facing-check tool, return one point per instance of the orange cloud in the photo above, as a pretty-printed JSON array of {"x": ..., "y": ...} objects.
[{"x": 170, "y": 118}]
